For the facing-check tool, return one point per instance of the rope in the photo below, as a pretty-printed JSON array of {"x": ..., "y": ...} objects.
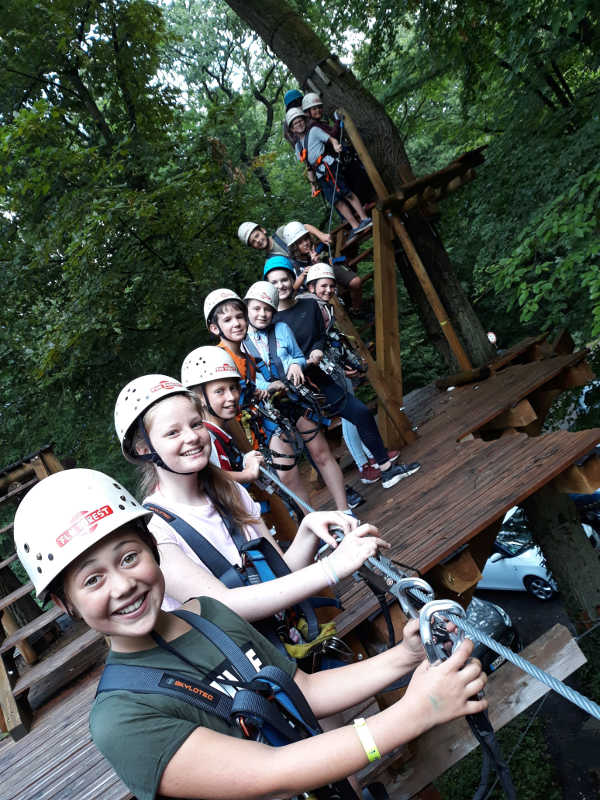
[
  {"x": 573, "y": 696},
  {"x": 337, "y": 167}
]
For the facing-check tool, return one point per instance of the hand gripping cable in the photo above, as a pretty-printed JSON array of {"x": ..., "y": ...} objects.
[
  {"x": 394, "y": 578},
  {"x": 433, "y": 620}
]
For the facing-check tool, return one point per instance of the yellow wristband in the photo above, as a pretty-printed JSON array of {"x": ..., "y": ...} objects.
[{"x": 366, "y": 739}]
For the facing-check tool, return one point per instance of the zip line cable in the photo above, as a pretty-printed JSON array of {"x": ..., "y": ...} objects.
[{"x": 572, "y": 695}]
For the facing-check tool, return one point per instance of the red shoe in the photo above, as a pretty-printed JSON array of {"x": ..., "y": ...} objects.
[
  {"x": 393, "y": 454},
  {"x": 369, "y": 474}
]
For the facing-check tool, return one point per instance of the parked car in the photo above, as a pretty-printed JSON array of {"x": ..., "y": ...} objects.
[{"x": 517, "y": 564}]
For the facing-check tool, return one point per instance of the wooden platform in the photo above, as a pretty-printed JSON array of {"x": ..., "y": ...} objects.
[
  {"x": 463, "y": 486},
  {"x": 57, "y": 760}
]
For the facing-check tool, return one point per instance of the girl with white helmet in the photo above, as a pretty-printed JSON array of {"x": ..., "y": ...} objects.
[
  {"x": 303, "y": 252},
  {"x": 275, "y": 349},
  {"x": 226, "y": 318},
  {"x": 81, "y": 536},
  {"x": 321, "y": 284},
  {"x": 161, "y": 429},
  {"x": 211, "y": 373}
]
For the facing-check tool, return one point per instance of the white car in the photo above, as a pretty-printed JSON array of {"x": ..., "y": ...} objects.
[{"x": 517, "y": 564}]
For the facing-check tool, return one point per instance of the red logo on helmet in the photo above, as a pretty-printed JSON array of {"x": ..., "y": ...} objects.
[
  {"x": 167, "y": 385},
  {"x": 225, "y": 367},
  {"x": 82, "y": 523}
]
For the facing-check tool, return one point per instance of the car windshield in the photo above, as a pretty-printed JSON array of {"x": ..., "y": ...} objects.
[{"x": 515, "y": 537}]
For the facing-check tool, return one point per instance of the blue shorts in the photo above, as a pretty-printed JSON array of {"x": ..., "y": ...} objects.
[{"x": 327, "y": 187}]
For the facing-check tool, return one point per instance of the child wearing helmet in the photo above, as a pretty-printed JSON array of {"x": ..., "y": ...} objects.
[
  {"x": 254, "y": 235},
  {"x": 321, "y": 284},
  {"x": 99, "y": 565},
  {"x": 312, "y": 145},
  {"x": 278, "y": 356},
  {"x": 161, "y": 428},
  {"x": 214, "y": 377},
  {"x": 304, "y": 253},
  {"x": 228, "y": 321},
  {"x": 304, "y": 318},
  {"x": 226, "y": 318}
]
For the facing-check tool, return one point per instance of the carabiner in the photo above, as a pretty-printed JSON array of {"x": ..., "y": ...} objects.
[
  {"x": 434, "y": 633},
  {"x": 402, "y": 590}
]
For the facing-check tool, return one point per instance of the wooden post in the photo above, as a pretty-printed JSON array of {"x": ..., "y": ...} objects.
[
  {"x": 387, "y": 333},
  {"x": 409, "y": 248}
]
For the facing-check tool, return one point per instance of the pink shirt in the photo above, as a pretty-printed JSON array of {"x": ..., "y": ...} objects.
[{"x": 205, "y": 519}]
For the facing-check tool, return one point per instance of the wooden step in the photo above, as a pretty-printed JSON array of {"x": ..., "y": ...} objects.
[
  {"x": 8, "y": 560},
  {"x": 32, "y": 627},
  {"x": 7, "y": 601},
  {"x": 56, "y": 661},
  {"x": 368, "y": 252}
]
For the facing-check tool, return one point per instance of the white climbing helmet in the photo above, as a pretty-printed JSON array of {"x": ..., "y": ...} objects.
[
  {"x": 265, "y": 292},
  {"x": 292, "y": 114},
  {"x": 245, "y": 230},
  {"x": 311, "y": 100},
  {"x": 318, "y": 271},
  {"x": 215, "y": 298},
  {"x": 134, "y": 400},
  {"x": 64, "y": 515},
  {"x": 208, "y": 363},
  {"x": 293, "y": 231}
]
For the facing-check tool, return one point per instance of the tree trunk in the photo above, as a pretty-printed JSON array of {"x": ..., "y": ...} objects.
[
  {"x": 285, "y": 32},
  {"x": 570, "y": 557}
]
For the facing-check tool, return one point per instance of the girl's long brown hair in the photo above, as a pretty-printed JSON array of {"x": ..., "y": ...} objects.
[{"x": 213, "y": 482}]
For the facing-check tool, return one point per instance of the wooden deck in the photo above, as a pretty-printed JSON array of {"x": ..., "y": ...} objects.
[{"x": 464, "y": 485}]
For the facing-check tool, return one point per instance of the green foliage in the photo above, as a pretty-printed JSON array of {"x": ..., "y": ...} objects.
[
  {"x": 530, "y": 764},
  {"x": 553, "y": 273}
]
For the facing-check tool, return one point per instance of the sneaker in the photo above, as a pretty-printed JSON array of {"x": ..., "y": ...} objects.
[
  {"x": 373, "y": 463},
  {"x": 352, "y": 233},
  {"x": 353, "y": 497},
  {"x": 349, "y": 513},
  {"x": 364, "y": 224},
  {"x": 393, "y": 454},
  {"x": 370, "y": 474},
  {"x": 391, "y": 476}
]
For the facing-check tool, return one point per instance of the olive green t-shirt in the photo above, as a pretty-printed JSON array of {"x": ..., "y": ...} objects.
[{"x": 139, "y": 733}]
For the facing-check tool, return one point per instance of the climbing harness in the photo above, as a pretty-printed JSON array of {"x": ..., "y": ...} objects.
[
  {"x": 294, "y": 631},
  {"x": 267, "y": 706}
]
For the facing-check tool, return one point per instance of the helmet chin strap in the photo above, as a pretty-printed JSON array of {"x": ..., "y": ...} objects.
[
  {"x": 152, "y": 457},
  {"x": 208, "y": 405}
]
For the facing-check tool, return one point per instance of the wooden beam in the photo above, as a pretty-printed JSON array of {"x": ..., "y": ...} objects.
[
  {"x": 509, "y": 691},
  {"x": 409, "y": 248},
  {"x": 385, "y": 292},
  {"x": 580, "y": 478},
  {"x": 520, "y": 415}
]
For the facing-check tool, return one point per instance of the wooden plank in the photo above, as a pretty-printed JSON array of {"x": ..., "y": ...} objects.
[
  {"x": 11, "y": 598},
  {"x": 366, "y": 253},
  {"x": 10, "y": 559},
  {"x": 56, "y": 661},
  {"x": 509, "y": 691},
  {"x": 36, "y": 625}
]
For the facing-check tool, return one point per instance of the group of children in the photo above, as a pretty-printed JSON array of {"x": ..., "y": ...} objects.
[{"x": 175, "y": 581}]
